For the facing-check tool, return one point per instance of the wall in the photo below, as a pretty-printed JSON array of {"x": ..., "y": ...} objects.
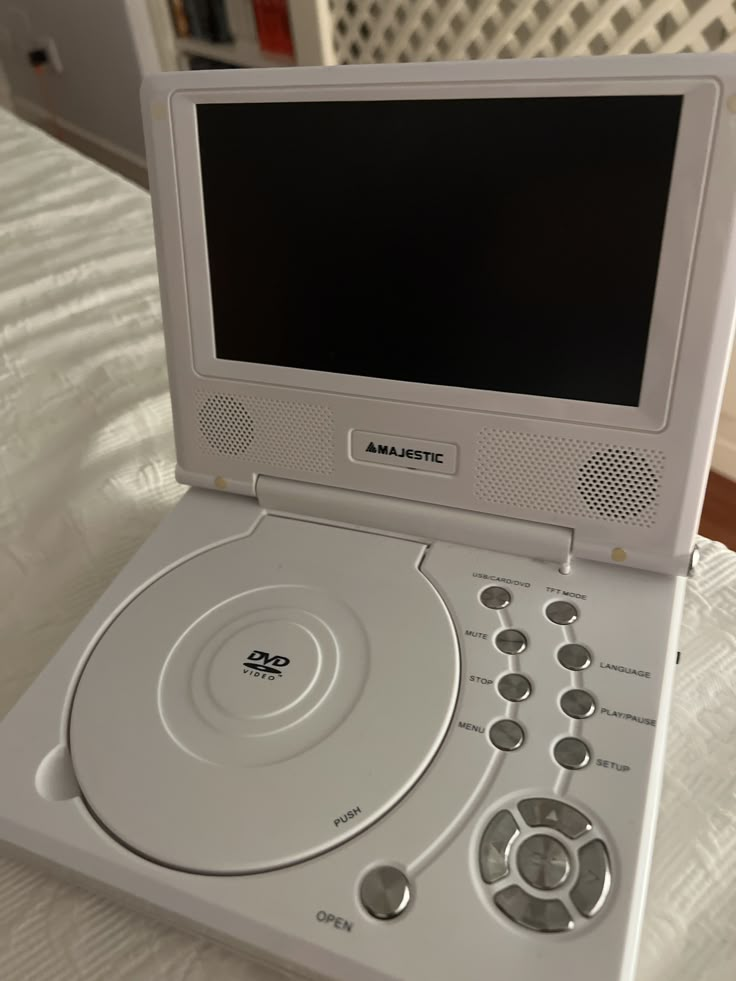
[
  {"x": 95, "y": 98},
  {"x": 5, "y": 100},
  {"x": 724, "y": 455}
]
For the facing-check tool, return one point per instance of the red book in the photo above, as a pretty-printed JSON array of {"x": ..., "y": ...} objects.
[{"x": 274, "y": 31}]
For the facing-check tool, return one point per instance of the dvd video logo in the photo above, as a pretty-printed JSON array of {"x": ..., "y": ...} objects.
[{"x": 263, "y": 663}]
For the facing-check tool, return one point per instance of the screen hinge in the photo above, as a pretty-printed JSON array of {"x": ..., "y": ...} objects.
[{"x": 416, "y": 520}]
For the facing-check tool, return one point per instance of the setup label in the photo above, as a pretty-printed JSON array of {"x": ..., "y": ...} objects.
[{"x": 613, "y": 765}]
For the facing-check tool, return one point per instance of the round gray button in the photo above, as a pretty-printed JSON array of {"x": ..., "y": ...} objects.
[
  {"x": 577, "y": 703},
  {"x": 571, "y": 753},
  {"x": 511, "y": 642},
  {"x": 574, "y": 657},
  {"x": 541, "y": 915},
  {"x": 514, "y": 687},
  {"x": 495, "y": 597},
  {"x": 543, "y": 862},
  {"x": 506, "y": 735},
  {"x": 594, "y": 878},
  {"x": 385, "y": 892},
  {"x": 561, "y": 612},
  {"x": 495, "y": 846}
]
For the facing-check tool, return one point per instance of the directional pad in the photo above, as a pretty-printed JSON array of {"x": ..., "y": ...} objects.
[
  {"x": 541, "y": 862},
  {"x": 554, "y": 814}
]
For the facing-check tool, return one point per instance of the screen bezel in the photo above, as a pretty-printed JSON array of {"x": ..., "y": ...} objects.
[{"x": 700, "y": 98}]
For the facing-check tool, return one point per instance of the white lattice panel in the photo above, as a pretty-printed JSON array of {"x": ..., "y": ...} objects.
[{"x": 431, "y": 30}]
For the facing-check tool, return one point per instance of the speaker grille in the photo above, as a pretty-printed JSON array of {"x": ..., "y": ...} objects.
[
  {"x": 274, "y": 432},
  {"x": 580, "y": 478},
  {"x": 225, "y": 424}
]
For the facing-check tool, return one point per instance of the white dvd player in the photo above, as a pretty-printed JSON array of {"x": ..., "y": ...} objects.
[{"x": 385, "y": 696}]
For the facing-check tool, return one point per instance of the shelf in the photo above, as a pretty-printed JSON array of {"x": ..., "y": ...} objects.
[{"x": 241, "y": 54}]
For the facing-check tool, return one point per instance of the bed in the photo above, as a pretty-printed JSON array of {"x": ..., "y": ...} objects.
[{"x": 86, "y": 472}]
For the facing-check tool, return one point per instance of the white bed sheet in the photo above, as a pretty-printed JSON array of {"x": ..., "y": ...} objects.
[{"x": 86, "y": 472}]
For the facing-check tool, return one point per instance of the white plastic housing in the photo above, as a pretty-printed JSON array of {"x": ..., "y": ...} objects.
[
  {"x": 619, "y": 477},
  {"x": 434, "y": 832}
]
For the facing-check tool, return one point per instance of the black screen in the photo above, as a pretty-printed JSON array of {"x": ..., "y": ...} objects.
[{"x": 501, "y": 244}]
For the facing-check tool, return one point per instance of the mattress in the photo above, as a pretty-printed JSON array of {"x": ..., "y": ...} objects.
[{"x": 86, "y": 472}]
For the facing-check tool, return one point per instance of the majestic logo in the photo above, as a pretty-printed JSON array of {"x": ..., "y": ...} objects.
[
  {"x": 410, "y": 452},
  {"x": 264, "y": 662},
  {"x": 405, "y": 453}
]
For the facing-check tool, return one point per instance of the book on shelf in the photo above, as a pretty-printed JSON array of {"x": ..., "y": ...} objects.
[
  {"x": 179, "y": 18},
  {"x": 219, "y": 23},
  {"x": 207, "y": 20},
  {"x": 194, "y": 18},
  {"x": 274, "y": 30},
  {"x": 200, "y": 63}
]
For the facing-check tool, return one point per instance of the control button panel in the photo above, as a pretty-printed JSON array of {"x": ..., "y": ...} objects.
[
  {"x": 562, "y": 692},
  {"x": 507, "y": 625},
  {"x": 543, "y": 844},
  {"x": 569, "y": 751}
]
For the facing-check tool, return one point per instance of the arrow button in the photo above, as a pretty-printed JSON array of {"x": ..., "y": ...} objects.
[{"x": 594, "y": 879}]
